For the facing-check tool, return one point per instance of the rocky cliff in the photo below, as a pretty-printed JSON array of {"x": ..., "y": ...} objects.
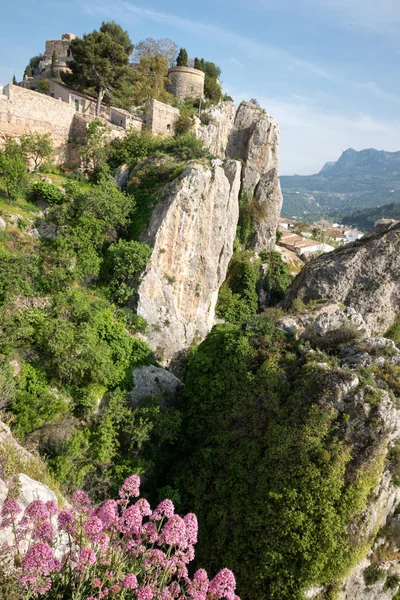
[
  {"x": 254, "y": 140},
  {"x": 191, "y": 233},
  {"x": 363, "y": 275}
]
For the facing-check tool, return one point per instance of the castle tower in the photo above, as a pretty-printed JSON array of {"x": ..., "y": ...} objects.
[{"x": 186, "y": 82}]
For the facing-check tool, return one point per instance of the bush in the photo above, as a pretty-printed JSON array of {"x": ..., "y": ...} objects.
[
  {"x": 13, "y": 169},
  {"x": 131, "y": 148},
  {"x": 183, "y": 125},
  {"x": 44, "y": 86},
  {"x": 123, "y": 264},
  {"x": 277, "y": 278},
  {"x": 238, "y": 297},
  {"x": 101, "y": 552},
  {"x": 47, "y": 192},
  {"x": 373, "y": 574}
]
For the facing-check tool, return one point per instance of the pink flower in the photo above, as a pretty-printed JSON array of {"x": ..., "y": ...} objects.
[
  {"x": 90, "y": 598},
  {"x": 10, "y": 508},
  {"x": 155, "y": 558},
  {"x": 174, "y": 532},
  {"x": 52, "y": 507},
  {"x": 164, "y": 509},
  {"x": 198, "y": 588},
  {"x": 93, "y": 527},
  {"x": 44, "y": 532},
  {"x": 191, "y": 528},
  {"x": 65, "y": 521},
  {"x": 39, "y": 560},
  {"x": 130, "y": 487},
  {"x": 131, "y": 519},
  {"x": 115, "y": 588},
  {"x": 149, "y": 532},
  {"x": 223, "y": 585},
  {"x": 86, "y": 557},
  {"x": 144, "y": 593},
  {"x": 108, "y": 513},
  {"x": 96, "y": 582},
  {"x": 37, "y": 511},
  {"x": 143, "y": 507},
  {"x": 81, "y": 501},
  {"x": 130, "y": 582}
]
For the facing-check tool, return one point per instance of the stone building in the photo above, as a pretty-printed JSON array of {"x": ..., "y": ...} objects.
[
  {"x": 186, "y": 82},
  {"x": 161, "y": 118}
]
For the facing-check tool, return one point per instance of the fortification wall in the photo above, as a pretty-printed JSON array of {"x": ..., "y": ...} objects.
[
  {"x": 24, "y": 111},
  {"x": 186, "y": 82},
  {"x": 161, "y": 118}
]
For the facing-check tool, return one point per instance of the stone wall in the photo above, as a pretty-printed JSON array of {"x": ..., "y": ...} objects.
[
  {"x": 161, "y": 118},
  {"x": 24, "y": 111},
  {"x": 186, "y": 82}
]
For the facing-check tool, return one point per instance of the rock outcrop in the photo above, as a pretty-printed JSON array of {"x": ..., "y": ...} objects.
[
  {"x": 215, "y": 134},
  {"x": 191, "y": 233},
  {"x": 363, "y": 275},
  {"x": 151, "y": 381},
  {"x": 254, "y": 140}
]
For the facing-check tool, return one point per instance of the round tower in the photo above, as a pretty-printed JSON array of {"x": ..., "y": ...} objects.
[{"x": 186, "y": 82}]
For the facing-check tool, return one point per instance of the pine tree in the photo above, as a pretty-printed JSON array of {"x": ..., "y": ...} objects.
[
  {"x": 101, "y": 62},
  {"x": 15, "y": 82},
  {"x": 183, "y": 59},
  {"x": 28, "y": 72}
]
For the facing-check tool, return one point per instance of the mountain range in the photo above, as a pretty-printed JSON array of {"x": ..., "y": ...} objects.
[{"x": 357, "y": 180}]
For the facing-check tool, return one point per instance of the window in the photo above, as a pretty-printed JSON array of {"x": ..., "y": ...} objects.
[{"x": 76, "y": 104}]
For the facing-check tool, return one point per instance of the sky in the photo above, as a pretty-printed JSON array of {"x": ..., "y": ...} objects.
[{"x": 327, "y": 70}]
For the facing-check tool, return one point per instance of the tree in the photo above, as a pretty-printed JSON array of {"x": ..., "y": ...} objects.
[
  {"x": 53, "y": 63},
  {"x": 13, "y": 169},
  {"x": 28, "y": 72},
  {"x": 34, "y": 62},
  {"x": 101, "y": 62},
  {"x": 150, "y": 79},
  {"x": 15, "y": 82},
  {"x": 182, "y": 60},
  {"x": 44, "y": 86},
  {"x": 197, "y": 64},
  {"x": 150, "y": 48},
  {"x": 94, "y": 153},
  {"x": 37, "y": 147}
]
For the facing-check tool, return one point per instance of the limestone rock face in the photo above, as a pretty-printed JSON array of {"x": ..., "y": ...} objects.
[
  {"x": 191, "y": 233},
  {"x": 254, "y": 140},
  {"x": 363, "y": 275},
  {"x": 215, "y": 135}
]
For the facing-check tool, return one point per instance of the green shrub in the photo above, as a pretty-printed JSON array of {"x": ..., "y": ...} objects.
[
  {"x": 123, "y": 264},
  {"x": 183, "y": 125},
  {"x": 277, "y": 278},
  {"x": 47, "y": 192},
  {"x": 373, "y": 574},
  {"x": 129, "y": 149},
  {"x": 394, "y": 331}
]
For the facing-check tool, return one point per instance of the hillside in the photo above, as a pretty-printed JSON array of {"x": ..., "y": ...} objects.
[
  {"x": 357, "y": 180},
  {"x": 365, "y": 219}
]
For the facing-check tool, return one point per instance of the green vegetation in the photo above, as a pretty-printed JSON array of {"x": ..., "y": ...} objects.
[
  {"x": 13, "y": 169},
  {"x": 182, "y": 60},
  {"x": 101, "y": 63},
  {"x": 394, "y": 331},
  {"x": 277, "y": 278},
  {"x": 238, "y": 297},
  {"x": 64, "y": 314},
  {"x": 262, "y": 460}
]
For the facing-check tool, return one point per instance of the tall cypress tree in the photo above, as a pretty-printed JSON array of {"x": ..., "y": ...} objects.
[{"x": 183, "y": 59}]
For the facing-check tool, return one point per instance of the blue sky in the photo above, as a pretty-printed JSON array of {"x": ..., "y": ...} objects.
[{"x": 326, "y": 69}]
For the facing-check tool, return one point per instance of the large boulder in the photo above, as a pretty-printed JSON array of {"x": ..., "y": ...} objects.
[
  {"x": 254, "y": 140},
  {"x": 363, "y": 275},
  {"x": 151, "y": 381},
  {"x": 191, "y": 233}
]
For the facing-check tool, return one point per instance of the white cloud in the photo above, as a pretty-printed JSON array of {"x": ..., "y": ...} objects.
[
  {"x": 122, "y": 10},
  {"x": 373, "y": 88},
  {"x": 236, "y": 62},
  {"x": 378, "y": 15}
]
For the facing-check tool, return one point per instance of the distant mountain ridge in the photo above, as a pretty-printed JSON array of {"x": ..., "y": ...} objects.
[{"x": 357, "y": 180}]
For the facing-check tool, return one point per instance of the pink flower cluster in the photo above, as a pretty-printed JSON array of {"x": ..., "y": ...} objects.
[{"x": 121, "y": 547}]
